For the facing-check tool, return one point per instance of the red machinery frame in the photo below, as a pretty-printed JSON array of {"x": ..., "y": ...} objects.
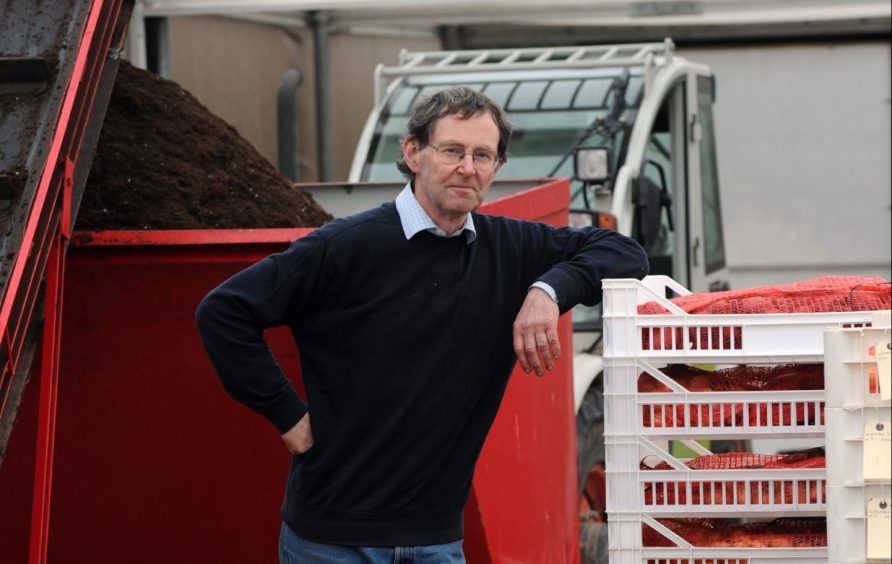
[{"x": 42, "y": 253}]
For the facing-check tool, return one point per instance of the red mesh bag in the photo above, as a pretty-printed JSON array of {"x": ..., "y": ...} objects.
[
  {"x": 822, "y": 294},
  {"x": 739, "y": 492},
  {"x": 780, "y": 533},
  {"x": 736, "y": 379},
  {"x": 700, "y": 529},
  {"x": 810, "y": 458}
]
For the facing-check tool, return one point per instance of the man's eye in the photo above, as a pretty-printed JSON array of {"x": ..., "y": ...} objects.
[
  {"x": 453, "y": 151},
  {"x": 483, "y": 157}
]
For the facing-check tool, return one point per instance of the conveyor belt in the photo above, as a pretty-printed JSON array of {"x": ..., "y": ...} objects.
[{"x": 56, "y": 73}]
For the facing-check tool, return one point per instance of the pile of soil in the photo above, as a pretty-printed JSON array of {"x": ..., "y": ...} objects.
[{"x": 164, "y": 161}]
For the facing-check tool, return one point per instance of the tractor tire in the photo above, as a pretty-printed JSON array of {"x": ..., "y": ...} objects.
[
  {"x": 590, "y": 452},
  {"x": 593, "y": 542},
  {"x": 590, "y": 432}
]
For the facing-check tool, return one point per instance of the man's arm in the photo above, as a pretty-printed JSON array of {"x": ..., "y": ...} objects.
[
  {"x": 586, "y": 257},
  {"x": 231, "y": 320},
  {"x": 536, "y": 342}
]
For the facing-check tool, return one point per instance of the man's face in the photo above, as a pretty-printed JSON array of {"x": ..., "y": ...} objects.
[{"x": 447, "y": 190}]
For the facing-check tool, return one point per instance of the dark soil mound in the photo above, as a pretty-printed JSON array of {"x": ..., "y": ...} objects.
[{"x": 164, "y": 161}]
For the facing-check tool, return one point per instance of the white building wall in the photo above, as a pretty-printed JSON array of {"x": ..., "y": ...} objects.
[{"x": 804, "y": 158}]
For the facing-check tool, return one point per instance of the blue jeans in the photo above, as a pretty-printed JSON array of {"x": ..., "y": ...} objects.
[{"x": 296, "y": 550}]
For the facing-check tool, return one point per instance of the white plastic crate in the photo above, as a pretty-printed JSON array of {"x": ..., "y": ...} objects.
[
  {"x": 640, "y": 423},
  {"x": 850, "y": 366},
  {"x": 847, "y": 523},
  {"x": 845, "y": 446},
  {"x": 859, "y": 472},
  {"x": 685, "y": 414},
  {"x": 682, "y": 337},
  {"x": 626, "y": 531},
  {"x": 686, "y": 492}
]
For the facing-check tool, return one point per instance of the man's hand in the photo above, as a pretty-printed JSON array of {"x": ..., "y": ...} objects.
[
  {"x": 536, "y": 341},
  {"x": 299, "y": 438}
]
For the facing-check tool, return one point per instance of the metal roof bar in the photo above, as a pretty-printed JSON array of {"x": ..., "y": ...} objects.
[
  {"x": 630, "y": 53},
  {"x": 533, "y": 58}
]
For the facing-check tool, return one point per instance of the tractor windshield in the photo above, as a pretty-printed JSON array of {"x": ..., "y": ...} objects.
[{"x": 550, "y": 118}]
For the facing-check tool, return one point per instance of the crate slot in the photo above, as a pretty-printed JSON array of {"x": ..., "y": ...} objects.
[
  {"x": 683, "y": 489},
  {"x": 677, "y": 550},
  {"x": 686, "y": 414},
  {"x": 851, "y": 367}
]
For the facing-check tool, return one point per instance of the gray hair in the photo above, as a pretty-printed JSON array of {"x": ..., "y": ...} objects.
[{"x": 459, "y": 101}]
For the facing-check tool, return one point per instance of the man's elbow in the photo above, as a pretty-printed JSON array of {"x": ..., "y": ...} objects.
[
  {"x": 206, "y": 313},
  {"x": 643, "y": 264},
  {"x": 637, "y": 264}
]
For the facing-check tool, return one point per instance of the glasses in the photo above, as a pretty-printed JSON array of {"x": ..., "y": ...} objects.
[{"x": 453, "y": 154}]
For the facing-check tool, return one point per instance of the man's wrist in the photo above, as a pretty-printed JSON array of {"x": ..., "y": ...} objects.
[{"x": 547, "y": 289}]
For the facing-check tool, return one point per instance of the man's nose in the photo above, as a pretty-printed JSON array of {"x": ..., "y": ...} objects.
[{"x": 466, "y": 166}]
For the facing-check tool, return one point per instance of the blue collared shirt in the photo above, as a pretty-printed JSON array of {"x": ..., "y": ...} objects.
[{"x": 413, "y": 218}]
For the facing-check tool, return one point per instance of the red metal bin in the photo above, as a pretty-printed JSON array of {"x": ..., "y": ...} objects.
[{"x": 155, "y": 463}]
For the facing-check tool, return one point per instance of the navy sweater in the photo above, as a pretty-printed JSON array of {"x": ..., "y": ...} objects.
[{"x": 406, "y": 348}]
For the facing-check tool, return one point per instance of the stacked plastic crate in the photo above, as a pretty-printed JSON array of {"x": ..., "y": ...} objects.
[
  {"x": 645, "y": 505},
  {"x": 856, "y": 369}
]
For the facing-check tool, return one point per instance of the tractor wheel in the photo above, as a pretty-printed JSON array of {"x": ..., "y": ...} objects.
[
  {"x": 590, "y": 432},
  {"x": 591, "y": 487},
  {"x": 593, "y": 542}
]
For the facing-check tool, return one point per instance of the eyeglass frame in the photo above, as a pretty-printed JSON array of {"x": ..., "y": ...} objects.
[{"x": 495, "y": 157}]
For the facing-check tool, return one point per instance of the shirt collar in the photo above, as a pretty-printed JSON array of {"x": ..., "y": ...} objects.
[{"x": 414, "y": 219}]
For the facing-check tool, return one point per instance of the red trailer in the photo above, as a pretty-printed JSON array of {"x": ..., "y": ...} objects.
[{"x": 153, "y": 462}]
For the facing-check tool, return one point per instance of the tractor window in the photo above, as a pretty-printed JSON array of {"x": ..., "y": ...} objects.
[
  {"x": 559, "y": 94},
  {"x": 540, "y": 139},
  {"x": 712, "y": 214},
  {"x": 527, "y": 95},
  {"x": 432, "y": 88},
  {"x": 592, "y": 94},
  {"x": 634, "y": 90},
  {"x": 548, "y": 116},
  {"x": 500, "y": 91},
  {"x": 662, "y": 158},
  {"x": 401, "y": 103}
]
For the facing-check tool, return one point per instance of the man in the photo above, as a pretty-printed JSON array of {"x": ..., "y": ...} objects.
[{"x": 409, "y": 318}]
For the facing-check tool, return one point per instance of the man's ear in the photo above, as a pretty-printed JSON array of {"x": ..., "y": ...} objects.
[{"x": 411, "y": 153}]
